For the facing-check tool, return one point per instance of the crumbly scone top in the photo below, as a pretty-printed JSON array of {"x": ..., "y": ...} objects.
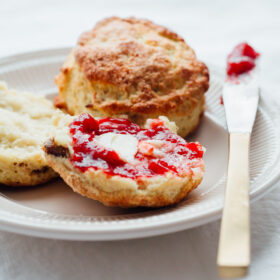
[{"x": 140, "y": 63}]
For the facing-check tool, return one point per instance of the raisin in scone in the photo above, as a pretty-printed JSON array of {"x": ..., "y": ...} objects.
[
  {"x": 25, "y": 123},
  {"x": 135, "y": 69},
  {"x": 121, "y": 164}
]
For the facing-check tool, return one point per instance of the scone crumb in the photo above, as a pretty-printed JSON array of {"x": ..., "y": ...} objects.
[
  {"x": 169, "y": 124},
  {"x": 25, "y": 123}
]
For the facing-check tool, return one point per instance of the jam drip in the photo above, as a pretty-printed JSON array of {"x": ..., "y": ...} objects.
[
  {"x": 241, "y": 60},
  {"x": 89, "y": 154}
]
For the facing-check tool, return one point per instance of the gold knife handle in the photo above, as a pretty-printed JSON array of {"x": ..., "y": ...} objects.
[{"x": 234, "y": 244}]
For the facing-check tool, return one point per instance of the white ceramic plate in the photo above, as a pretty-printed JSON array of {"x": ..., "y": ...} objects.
[{"x": 53, "y": 210}]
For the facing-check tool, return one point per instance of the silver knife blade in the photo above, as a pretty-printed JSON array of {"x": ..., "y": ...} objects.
[{"x": 241, "y": 102}]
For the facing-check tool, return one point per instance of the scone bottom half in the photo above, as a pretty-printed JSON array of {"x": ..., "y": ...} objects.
[
  {"x": 118, "y": 163},
  {"x": 25, "y": 124},
  {"x": 133, "y": 68}
]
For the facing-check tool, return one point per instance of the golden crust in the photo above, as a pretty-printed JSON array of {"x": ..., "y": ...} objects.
[
  {"x": 134, "y": 68},
  {"x": 25, "y": 173},
  {"x": 122, "y": 192}
]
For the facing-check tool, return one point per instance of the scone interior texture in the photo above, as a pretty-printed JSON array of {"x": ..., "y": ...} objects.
[
  {"x": 136, "y": 69},
  {"x": 25, "y": 123},
  {"x": 120, "y": 164}
]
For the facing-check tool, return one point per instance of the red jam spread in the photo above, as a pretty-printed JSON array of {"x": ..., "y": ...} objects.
[
  {"x": 241, "y": 60},
  {"x": 89, "y": 154}
]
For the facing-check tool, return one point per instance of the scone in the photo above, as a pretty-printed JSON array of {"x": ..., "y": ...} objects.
[
  {"x": 135, "y": 69},
  {"x": 118, "y": 163},
  {"x": 25, "y": 123}
]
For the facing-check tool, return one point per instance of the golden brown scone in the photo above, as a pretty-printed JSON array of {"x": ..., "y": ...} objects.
[
  {"x": 25, "y": 124},
  {"x": 138, "y": 176},
  {"x": 136, "y": 69}
]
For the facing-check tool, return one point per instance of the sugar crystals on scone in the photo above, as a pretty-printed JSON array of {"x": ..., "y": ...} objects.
[{"x": 135, "y": 69}]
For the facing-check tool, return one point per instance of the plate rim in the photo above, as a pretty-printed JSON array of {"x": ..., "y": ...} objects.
[{"x": 128, "y": 232}]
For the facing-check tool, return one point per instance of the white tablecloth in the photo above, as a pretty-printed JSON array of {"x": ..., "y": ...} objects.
[{"x": 211, "y": 28}]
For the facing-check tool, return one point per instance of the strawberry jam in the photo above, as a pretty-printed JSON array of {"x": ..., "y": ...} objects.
[
  {"x": 241, "y": 60},
  {"x": 174, "y": 155}
]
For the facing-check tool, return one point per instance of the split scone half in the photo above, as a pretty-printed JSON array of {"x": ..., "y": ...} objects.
[
  {"x": 133, "y": 68},
  {"x": 118, "y": 163},
  {"x": 25, "y": 124}
]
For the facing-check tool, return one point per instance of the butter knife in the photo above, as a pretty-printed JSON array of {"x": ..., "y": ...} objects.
[{"x": 240, "y": 101}]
